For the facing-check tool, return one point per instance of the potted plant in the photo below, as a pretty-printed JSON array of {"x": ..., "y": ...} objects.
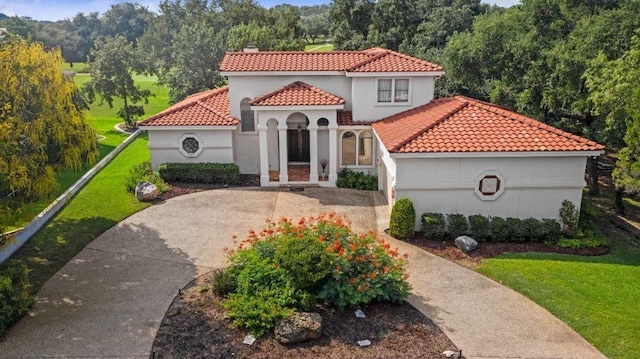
[{"x": 323, "y": 164}]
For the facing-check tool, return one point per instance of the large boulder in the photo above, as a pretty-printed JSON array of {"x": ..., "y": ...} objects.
[
  {"x": 146, "y": 191},
  {"x": 467, "y": 244},
  {"x": 298, "y": 328}
]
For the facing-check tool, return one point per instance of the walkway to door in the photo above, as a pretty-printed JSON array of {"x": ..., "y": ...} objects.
[{"x": 297, "y": 173}]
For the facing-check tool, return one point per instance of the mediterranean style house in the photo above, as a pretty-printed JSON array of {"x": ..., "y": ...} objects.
[{"x": 298, "y": 118}]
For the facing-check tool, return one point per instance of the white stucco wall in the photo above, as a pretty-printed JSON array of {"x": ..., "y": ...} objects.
[
  {"x": 217, "y": 146},
  {"x": 247, "y": 152},
  {"x": 241, "y": 87},
  {"x": 534, "y": 186},
  {"x": 365, "y": 105}
]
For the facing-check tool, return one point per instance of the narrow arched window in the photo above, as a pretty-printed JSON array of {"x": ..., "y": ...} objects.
[
  {"x": 246, "y": 116},
  {"x": 348, "y": 149},
  {"x": 365, "y": 148}
]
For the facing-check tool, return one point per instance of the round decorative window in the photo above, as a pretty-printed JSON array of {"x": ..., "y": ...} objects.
[
  {"x": 489, "y": 185},
  {"x": 190, "y": 145}
]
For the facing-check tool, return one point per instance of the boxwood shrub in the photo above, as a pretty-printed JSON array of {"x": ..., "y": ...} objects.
[
  {"x": 499, "y": 230},
  {"x": 357, "y": 180},
  {"x": 458, "y": 225},
  {"x": 433, "y": 226},
  {"x": 517, "y": 229},
  {"x": 15, "y": 293},
  {"x": 403, "y": 219},
  {"x": 219, "y": 173},
  {"x": 480, "y": 227}
]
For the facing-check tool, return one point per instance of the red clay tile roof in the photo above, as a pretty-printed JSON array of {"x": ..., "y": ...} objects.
[
  {"x": 298, "y": 94},
  {"x": 372, "y": 60},
  {"x": 209, "y": 108},
  {"x": 462, "y": 124},
  {"x": 344, "y": 118}
]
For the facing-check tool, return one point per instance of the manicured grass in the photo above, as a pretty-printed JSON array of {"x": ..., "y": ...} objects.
[
  {"x": 319, "y": 46},
  {"x": 596, "y": 296},
  {"x": 101, "y": 204},
  {"x": 77, "y": 67}
]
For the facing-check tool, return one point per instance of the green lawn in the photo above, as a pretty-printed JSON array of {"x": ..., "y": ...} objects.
[
  {"x": 77, "y": 67},
  {"x": 596, "y": 296},
  {"x": 319, "y": 46},
  {"x": 103, "y": 119},
  {"x": 101, "y": 204}
]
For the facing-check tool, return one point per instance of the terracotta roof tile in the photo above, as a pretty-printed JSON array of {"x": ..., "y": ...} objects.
[
  {"x": 209, "y": 108},
  {"x": 371, "y": 60},
  {"x": 344, "y": 118},
  {"x": 462, "y": 124},
  {"x": 298, "y": 94}
]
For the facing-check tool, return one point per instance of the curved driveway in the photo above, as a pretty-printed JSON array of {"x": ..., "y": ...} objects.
[{"x": 110, "y": 299}]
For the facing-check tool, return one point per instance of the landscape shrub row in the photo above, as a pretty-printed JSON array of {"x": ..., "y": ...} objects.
[
  {"x": 218, "y": 173},
  {"x": 357, "y": 180},
  {"x": 291, "y": 266},
  {"x": 437, "y": 226},
  {"x": 15, "y": 295}
]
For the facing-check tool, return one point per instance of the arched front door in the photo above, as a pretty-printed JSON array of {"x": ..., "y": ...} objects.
[{"x": 298, "y": 145}]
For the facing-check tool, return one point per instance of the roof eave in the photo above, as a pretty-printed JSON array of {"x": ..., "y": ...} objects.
[
  {"x": 395, "y": 73},
  {"x": 188, "y": 128},
  {"x": 305, "y": 107},
  {"x": 281, "y": 73},
  {"x": 494, "y": 154}
]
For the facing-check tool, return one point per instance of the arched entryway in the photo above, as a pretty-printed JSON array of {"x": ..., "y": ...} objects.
[{"x": 298, "y": 142}]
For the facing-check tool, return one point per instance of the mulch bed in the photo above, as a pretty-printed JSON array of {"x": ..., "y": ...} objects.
[
  {"x": 195, "y": 327},
  {"x": 179, "y": 189}
]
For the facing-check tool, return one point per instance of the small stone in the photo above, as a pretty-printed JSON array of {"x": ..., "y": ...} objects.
[
  {"x": 467, "y": 244},
  {"x": 449, "y": 353},
  {"x": 360, "y": 314},
  {"x": 298, "y": 328},
  {"x": 364, "y": 343},
  {"x": 146, "y": 191},
  {"x": 249, "y": 339}
]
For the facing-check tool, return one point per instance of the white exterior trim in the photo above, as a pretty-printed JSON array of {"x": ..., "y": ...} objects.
[
  {"x": 282, "y": 73},
  {"x": 497, "y": 154},
  {"x": 391, "y": 74},
  {"x": 297, "y": 108},
  {"x": 188, "y": 128}
]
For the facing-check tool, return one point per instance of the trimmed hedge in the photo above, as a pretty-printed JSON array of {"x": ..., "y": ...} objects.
[
  {"x": 480, "y": 227},
  {"x": 458, "y": 225},
  {"x": 433, "y": 226},
  {"x": 219, "y": 173},
  {"x": 357, "y": 180},
  {"x": 403, "y": 219}
]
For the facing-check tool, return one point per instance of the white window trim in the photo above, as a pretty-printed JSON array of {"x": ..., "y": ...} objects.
[
  {"x": 489, "y": 197},
  {"x": 373, "y": 149},
  {"x": 185, "y": 153},
  {"x": 393, "y": 101}
]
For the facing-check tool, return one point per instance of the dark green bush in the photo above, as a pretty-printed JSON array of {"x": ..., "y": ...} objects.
[
  {"x": 534, "y": 229},
  {"x": 499, "y": 230},
  {"x": 403, "y": 219},
  {"x": 569, "y": 218},
  {"x": 433, "y": 226},
  {"x": 222, "y": 283},
  {"x": 552, "y": 231},
  {"x": 143, "y": 172},
  {"x": 480, "y": 227},
  {"x": 517, "y": 230},
  {"x": 15, "y": 295},
  {"x": 357, "y": 180},
  {"x": 219, "y": 173},
  {"x": 458, "y": 225}
]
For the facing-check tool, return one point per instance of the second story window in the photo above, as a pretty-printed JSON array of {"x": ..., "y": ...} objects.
[{"x": 393, "y": 90}]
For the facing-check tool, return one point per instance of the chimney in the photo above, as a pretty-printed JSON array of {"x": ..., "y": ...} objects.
[{"x": 250, "y": 48}]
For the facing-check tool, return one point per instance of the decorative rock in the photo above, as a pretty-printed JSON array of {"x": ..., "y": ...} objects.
[
  {"x": 360, "y": 314},
  {"x": 146, "y": 191},
  {"x": 467, "y": 244},
  {"x": 298, "y": 328},
  {"x": 249, "y": 339},
  {"x": 449, "y": 353},
  {"x": 364, "y": 343}
]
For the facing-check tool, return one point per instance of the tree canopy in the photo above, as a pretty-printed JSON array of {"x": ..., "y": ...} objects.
[{"x": 42, "y": 126}]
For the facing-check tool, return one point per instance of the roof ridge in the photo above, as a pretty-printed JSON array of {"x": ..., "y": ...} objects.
[
  {"x": 373, "y": 56},
  {"x": 187, "y": 104},
  {"x": 293, "y": 85},
  {"x": 428, "y": 127},
  {"x": 529, "y": 121}
]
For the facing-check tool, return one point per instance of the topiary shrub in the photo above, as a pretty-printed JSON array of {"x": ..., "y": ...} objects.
[
  {"x": 569, "y": 217},
  {"x": 219, "y": 173},
  {"x": 403, "y": 219},
  {"x": 15, "y": 295},
  {"x": 517, "y": 230},
  {"x": 480, "y": 227},
  {"x": 433, "y": 226},
  {"x": 499, "y": 230},
  {"x": 458, "y": 225}
]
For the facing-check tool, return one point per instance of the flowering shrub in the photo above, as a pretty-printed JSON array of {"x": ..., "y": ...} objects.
[{"x": 289, "y": 266}]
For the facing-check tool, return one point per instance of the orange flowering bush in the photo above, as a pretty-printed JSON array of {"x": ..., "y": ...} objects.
[{"x": 288, "y": 266}]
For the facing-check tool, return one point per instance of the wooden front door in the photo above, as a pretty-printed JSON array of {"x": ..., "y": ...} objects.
[{"x": 298, "y": 145}]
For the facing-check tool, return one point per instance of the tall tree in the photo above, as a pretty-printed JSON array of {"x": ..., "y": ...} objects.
[
  {"x": 126, "y": 19},
  {"x": 42, "y": 127},
  {"x": 115, "y": 62},
  {"x": 315, "y": 26},
  {"x": 350, "y": 23}
]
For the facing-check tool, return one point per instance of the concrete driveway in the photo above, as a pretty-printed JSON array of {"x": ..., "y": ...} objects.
[{"x": 110, "y": 299}]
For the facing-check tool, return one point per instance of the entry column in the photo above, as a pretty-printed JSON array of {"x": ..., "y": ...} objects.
[
  {"x": 264, "y": 153},
  {"x": 282, "y": 150},
  {"x": 313, "y": 155},
  {"x": 333, "y": 153}
]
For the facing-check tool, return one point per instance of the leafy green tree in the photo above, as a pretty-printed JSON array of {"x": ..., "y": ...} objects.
[
  {"x": 42, "y": 127},
  {"x": 315, "y": 26},
  {"x": 350, "y": 21},
  {"x": 392, "y": 21},
  {"x": 125, "y": 19},
  {"x": 614, "y": 87},
  {"x": 115, "y": 62},
  {"x": 81, "y": 32}
]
